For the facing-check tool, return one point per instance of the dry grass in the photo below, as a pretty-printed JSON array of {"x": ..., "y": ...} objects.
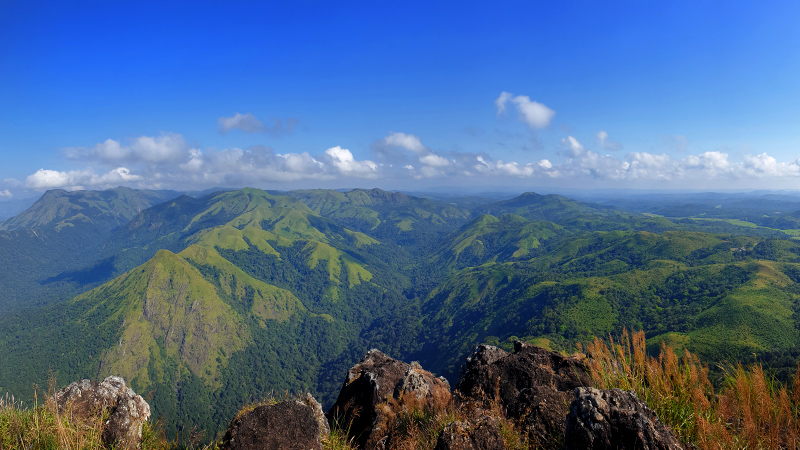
[
  {"x": 41, "y": 427},
  {"x": 750, "y": 411},
  {"x": 415, "y": 423}
]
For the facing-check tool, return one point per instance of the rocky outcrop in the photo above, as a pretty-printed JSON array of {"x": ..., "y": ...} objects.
[
  {"x": 532, "y": 385},
  {"x": 88, "y": 400},
  {"x": 502, "y": 399},
  {"x": 370, "y": 383},
  {"x": 481, "y": 434},
  {"x": 290, "y": 425},
  {"x": 612, "y": 419}
]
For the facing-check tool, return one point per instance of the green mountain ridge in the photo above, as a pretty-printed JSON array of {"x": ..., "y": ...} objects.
[
  {"x": 218, "y": 300},
  {"x": 58, "y": 208},
  {"x": 54, "y": 249}
]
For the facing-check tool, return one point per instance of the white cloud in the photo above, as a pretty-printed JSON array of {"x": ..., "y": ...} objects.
[
  {"x": 535, "y": 114},
  {"x": 575, "y": 147},
  {"x": 765, "y": 165},
  {"x": 712, "y": 164},
  {"x": 500, "y": 102},
  {"x": 6, "y": 193},
  {"x": 301, "y": 163},
  {"x": 434, "y": 160},
  {"x": 167, "y": 148},
  {"x": 245, "y": 122},
  {"x": 404, "y": 141},
  {"x": 44, "y": 179},
  {"x": 500, "y": 168},
  {"x": 167, "y": 161},
  {"x": 342, "y": 159},
  {"x": 409, "y": 145}
]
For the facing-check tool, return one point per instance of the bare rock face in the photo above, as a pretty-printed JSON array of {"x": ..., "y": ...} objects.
[
  {"x": 533, "y": 385},
  {"x": 615, "y": 419},
  {"x": 87, "y": 400},
  {"x": 291, "y": 425},
  {"x": 371, "y": 382},
  {"x": 481, "y": 434}
]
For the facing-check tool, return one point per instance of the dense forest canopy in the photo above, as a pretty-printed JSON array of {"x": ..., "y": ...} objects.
[{"x": 208, "y": 302}]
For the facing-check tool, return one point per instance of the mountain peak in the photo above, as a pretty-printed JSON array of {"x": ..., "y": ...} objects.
[{"x": 58, "y": 208}]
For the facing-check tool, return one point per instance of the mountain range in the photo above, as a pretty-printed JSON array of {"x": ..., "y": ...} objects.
[{"x": 210, "y": 301}]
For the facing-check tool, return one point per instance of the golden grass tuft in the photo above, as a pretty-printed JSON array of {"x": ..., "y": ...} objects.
[
  {"x": 750, "y": 411},
  {"x": 42, "y": 427},
  {"x": 415, "y": 423}
]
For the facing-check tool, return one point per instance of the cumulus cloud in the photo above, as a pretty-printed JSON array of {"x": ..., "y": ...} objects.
[
  {"x": 487, "y": 166},
  {"x": 404, "y": 141},
  {"x": 167, "y": 161},
  {"x": 244, "y": 122},
  {"x": 404, "y": 149},
  {"x": 535, "y": 114},
  {"x": 344, "y": 162},
  {"x": 434, "y": 160},
  {"x": 765, "y": 165},
  {"x": 44, "y": 179},
  {"x": 167, "y": 148},
  {"x": 6, "y": 193}
]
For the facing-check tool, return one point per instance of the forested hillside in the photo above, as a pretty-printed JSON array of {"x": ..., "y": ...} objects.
[{"x": 209, "y": 303}]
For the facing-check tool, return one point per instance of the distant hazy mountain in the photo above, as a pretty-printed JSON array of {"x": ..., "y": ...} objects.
[
  {"x": 55, "y": 247},
  {"x": 57, "y": 209}
]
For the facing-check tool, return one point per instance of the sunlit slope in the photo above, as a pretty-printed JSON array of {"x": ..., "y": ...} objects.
[
  {"x": 386, "y": 215},
  {"x": 169, "y": 316},
  {"x": 574, "y": 215},
  {"x": 263, "y": 290},
  {"x": 193, "y": 308},
  {"x": 58, "y": 208},
  {"x": 692, "y": 289},
  {"x": 233, "y": 220},
  {"x": 489, "y": 238}
]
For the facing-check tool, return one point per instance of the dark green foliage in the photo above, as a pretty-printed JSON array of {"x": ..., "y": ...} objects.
[{"x": 432, "y": 279}]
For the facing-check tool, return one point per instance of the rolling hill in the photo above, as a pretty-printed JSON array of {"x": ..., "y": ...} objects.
[{"x": 210, "y": 302}]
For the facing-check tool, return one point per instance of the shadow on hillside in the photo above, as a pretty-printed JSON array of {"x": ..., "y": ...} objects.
[{"x": 102, "y": 271}]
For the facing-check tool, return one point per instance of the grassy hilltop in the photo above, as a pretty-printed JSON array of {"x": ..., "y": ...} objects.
[{"x": 208, "y": 303}]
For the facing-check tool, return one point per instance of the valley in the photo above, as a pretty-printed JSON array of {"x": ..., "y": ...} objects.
[{"x": 210, "y": 301}]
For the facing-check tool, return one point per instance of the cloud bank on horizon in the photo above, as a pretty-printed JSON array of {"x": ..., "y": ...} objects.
[{"x": 168, "y": 161}]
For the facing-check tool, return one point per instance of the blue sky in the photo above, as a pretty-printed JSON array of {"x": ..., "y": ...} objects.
[{"x": 401, "y": 95}]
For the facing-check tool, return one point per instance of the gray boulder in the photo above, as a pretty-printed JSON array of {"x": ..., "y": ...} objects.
[
  {"x": 88, "y": 400},
  {"x": 532, "y": 385},
  {"x": 370, "y": 383},
  {"x": 290, "y": 425},
  {"x": 611, "y": 419}
]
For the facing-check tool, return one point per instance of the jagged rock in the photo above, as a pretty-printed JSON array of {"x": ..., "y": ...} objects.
[
  {"x": 482, "y": 434},
  {"x": 315, "y": 406},
  {"x": 370, "y": 383},
  {"x": 486, "y": 354},
  {"x": 615, "y": 419},
  {"x": 291, "y": 425},
  {"x": 87, "y": 400},
  {"x": 533, "y": 385}
]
